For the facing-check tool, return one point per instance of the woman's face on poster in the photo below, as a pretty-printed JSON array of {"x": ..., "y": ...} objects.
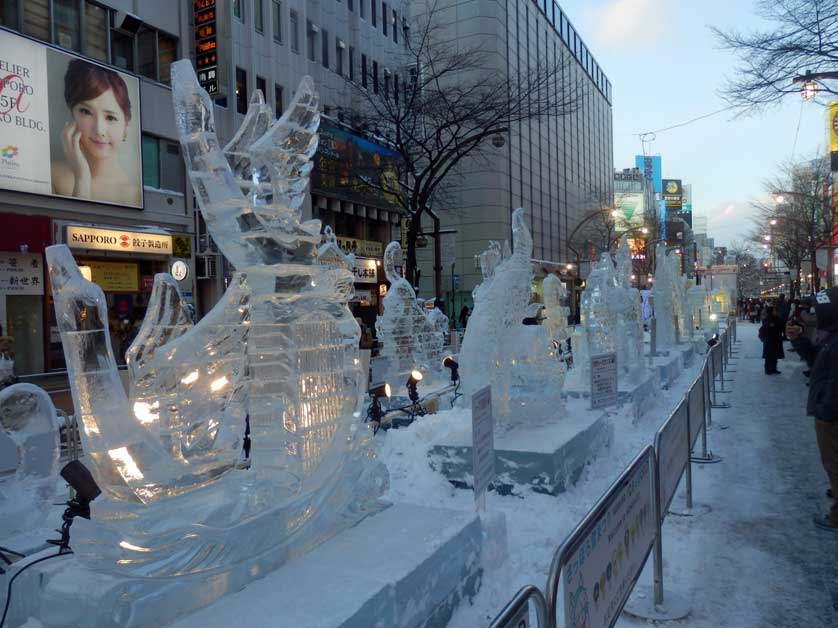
[{"x": 102, "y": 125}]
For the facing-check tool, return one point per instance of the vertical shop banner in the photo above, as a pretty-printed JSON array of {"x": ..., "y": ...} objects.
[
  {"x": 63, "y": 119},
  {"x": 650, "y": 166},
  {"x": 832, "y": 133}
]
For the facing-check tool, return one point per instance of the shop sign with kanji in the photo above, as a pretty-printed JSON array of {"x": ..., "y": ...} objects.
[{"x": 21, "y": 273}]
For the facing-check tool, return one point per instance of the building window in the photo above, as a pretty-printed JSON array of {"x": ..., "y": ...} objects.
[
  {"x": 375, "y": 77},
  {"x": 238, "y": 10},
  {"x": 67, "y": 24},
  {"x": 373, "y": 13},
  {"x": 279, "y": 97},
  {"x": 95, "y": 32},
  {"x": 241, "y": 91},
  {"x": 396, "y": 88},
  {"x": 324, "y": 52},
  {"x": 258, "y": 16},
  {"x": 276, "y": 20},
  {"x": 395, "y": 27},
  {"x": 147, "y": 53},
  {"x": 362, "y": 11},
  {"x": 364, "y": 71},
  {"x": 350, "y": 4},
  {"x": 163, "y": 167},
  {"x": 262, "y": 86},
  {"x": 339, "y": 46},
  {"x": 384, "y": 18},
  {"x": 122, "y": 50},
  {"x": 351, "y": 63},
  {"x": 294, "y": 23},
  {"x": 9, "y": 14},
  {"x": 386, "y": 84},
  {"x": 36, "y": 19},
  {"x": 166, "y": 56},
  {"x": 311, "y": 41}
]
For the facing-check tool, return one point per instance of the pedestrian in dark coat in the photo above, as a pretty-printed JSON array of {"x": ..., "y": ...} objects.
[
  {"x": 823, "y": 390},
  {"x": 771, "y": 334}
]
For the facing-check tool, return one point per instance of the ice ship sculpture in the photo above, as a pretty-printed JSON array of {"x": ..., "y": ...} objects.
[
  {"x": 409, "y": 339},
  {"x": 28, "y": 458},
  {"x": 277, "y": 354},
  {"x": 500, "y": 305},
  {"x": 663, "y": 292},
  {"x": 629, "y": 315}
]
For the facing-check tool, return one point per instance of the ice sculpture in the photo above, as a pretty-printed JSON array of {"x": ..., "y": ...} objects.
[
  {"x": 440, "y": 324},
  {"x": 598, "y": 312},
  {"x": 663, "y": 292},
  {"x": 697, "y": 298},
  {"x": 28, "y": 457},
  {"x": 556, "y": 311},
  {"x": 629, "y": 315},
  {"x": 278, "y": 353},
  {"x": 686, "y": 308},
  {"x": 500, "y": 305},
  {"x": 409, "y": 339},
  {"x": 679, "y": 296},
  {"x": 330, "y": 254}
]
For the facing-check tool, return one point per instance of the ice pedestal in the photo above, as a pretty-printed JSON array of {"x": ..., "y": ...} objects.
[
  {"x": 546, "y": 458},
  {"x": 407, "y": 566}
]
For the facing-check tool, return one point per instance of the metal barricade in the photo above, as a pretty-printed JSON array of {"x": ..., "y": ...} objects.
[
  {"x": 580, "y": 555},
  {"x": 717, "y": 373},
  {"x": 699, "y": 413},
  {"x": 516, "y": 613}
]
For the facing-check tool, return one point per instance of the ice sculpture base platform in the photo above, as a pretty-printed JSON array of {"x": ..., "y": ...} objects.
[
  {"x": 636, "y": 394},
  {"x": 406, "y": 566},
  {"x": 670, "y": 363},
  {"x": 546, "y": 458}
]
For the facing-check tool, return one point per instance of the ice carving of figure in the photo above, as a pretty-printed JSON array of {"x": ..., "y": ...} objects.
[
  {"x": 556, "y": 311},
  {"x": 500, "y": 306},
  {"x": 409, "y": 339},
  {"x": 279, "y": 352},
  {"x": 663, "y": 292},
  {"x": 597, "y": 317},
  {"x": 697, "y": 298},
  {"x": 629, "y": 315},
  {"x": 28, "y": 458},
  {"x": 441, "y": 325}
]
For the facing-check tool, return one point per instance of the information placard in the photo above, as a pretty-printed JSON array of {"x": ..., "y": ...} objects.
[
  {"x": 603, "y": 380},
  {"x": 483, "y": 440},
  {"x": 603, "y": 561},
  {"x": 673, "y": 454}
]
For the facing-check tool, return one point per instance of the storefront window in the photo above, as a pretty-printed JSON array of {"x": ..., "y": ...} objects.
[
  {"x": 36, "y": 19},
  {"x": 67, "y": 24},
  {"x": 95, "y": 32},
  {"x": 25, "y": 319},
  {"x": 241, "y": 91}
]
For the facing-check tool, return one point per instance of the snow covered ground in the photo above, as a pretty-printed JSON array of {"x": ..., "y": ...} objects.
[{"x": 754, "y": 560}]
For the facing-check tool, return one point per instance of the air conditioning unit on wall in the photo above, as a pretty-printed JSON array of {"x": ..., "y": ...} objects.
[{"x": 206, "y": 266}]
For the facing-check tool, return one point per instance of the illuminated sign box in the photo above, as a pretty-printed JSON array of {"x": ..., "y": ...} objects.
[
  {"x": 206, "y": 44},
  {"x": 92, "y": 238},
  {"x": 69, "y": 127}
]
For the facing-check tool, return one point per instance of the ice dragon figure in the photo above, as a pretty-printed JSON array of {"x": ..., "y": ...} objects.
[
  {"x": 663, "y": 293},
  {"x": 500, "y": 305},
  {"x": 278, "y": 354},
  {"x": 409, "y": 339},
  {"x": 28, "y": 457},
  {"x": 629, "y": 315}
]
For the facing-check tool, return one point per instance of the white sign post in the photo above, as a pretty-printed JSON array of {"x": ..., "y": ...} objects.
[
  {"x": 483, "y": 443},
  {"x": 603, "y": 381}
]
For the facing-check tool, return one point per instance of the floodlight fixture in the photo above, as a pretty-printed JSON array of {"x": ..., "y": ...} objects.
[{"x": 412, "y": 388}]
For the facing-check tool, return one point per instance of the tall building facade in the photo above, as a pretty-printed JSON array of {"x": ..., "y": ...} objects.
[
  {"x": 271, "y": 45},
  {"x": 90, "y": 158},
  {"x": 558, "y": 168}
]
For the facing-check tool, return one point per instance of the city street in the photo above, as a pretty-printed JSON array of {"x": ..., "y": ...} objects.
[{"x": 756, "y": 559}]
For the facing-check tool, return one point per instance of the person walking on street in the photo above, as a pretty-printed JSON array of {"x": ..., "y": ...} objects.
[
  {"x": 771, "y": 334},
  {"x": 823, "y": 390}
]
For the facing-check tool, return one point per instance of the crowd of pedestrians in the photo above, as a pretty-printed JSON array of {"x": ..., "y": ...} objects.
[{"x": 811, "y": 324}]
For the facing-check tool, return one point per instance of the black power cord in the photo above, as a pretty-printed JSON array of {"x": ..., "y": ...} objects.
[{"x": 61, "y": 552}]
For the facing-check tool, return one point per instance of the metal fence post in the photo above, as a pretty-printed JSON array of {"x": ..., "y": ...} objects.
[
  {"x": 708, "y": 457},
  {"x": 689, "y": 471},
  {"x": 518, "y": 604}
]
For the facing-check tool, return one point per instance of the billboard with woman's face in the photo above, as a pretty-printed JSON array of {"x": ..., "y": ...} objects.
[{"x": 68, "y": 127}]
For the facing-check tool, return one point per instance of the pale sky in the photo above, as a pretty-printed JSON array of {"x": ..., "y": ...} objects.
[{"x": 665, "y": 68}]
